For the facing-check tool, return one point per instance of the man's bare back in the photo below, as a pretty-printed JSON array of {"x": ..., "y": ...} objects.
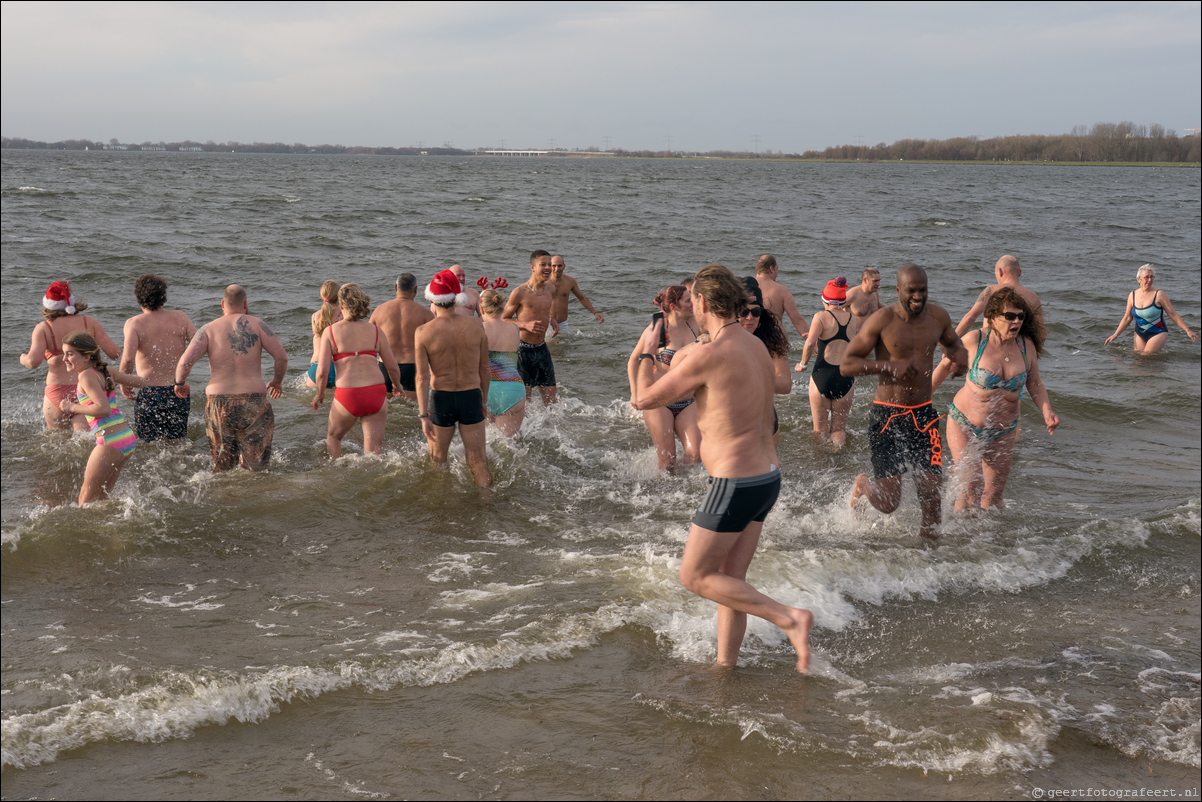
[
  {"x": 776, "y": 297},
  {"x": 453, "y": 348},
  {"x": 234, "y": 344},
  {"x": 154, "y": 342},
  {"x": 398, "y": 319}
]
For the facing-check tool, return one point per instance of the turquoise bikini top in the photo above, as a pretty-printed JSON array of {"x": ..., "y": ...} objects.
[{"x": 987, "y": 379}]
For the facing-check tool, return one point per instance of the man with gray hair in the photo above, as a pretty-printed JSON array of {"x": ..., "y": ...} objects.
[
  {"x": 398, "y": 319},
  {"x": 777, "y": 299}
]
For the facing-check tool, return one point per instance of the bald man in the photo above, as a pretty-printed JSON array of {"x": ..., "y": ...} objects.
[
  {"x": 1007, "y": 272},
  {"x": 238, "y": 416},
  {"x": 903, "y": 427}
]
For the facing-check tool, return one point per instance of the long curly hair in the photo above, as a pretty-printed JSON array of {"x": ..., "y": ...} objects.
[
  {"x": 1032, "y": 327},
  {"x": 87, "y": 346},
  {"x": 355, "y": 301}
]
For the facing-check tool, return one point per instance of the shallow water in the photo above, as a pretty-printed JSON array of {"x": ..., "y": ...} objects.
[{"x": 372, "y": 627}]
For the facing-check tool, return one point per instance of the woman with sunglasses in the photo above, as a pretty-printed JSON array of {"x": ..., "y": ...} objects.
[
  {"x": 678, "y": 419},
  {"x": 982, "y": 421},
  {"x": 1148, "y": 307},
  {"x": 831, "y": 393},
  {"x": 761, "y": 322}
]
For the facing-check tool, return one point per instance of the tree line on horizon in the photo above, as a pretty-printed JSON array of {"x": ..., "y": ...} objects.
[{"x": 1102, "y": 142}]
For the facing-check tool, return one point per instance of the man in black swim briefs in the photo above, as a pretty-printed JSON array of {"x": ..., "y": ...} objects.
[
  {"x": 732, "y": 377},
  {"x": 452, "y": 357},
  {"x": 529, "y": 305},
  {"x": 903, "y": 429}
]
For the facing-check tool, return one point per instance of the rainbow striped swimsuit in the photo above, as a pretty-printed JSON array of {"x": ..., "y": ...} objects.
[{"x": 111, "y": 430}]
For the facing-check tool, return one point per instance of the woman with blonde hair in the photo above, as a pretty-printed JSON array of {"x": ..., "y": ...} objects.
[
  {"x": 359, "y": 393},
  {"x": 1148, "y": 307},
  {"x": 320, "y": 321},
  {"x": 62, "y": 315},
  {"x": 506, "y": 403},
  {"x": 97, "y": 402},
  {"x": 678, "y": 419}
]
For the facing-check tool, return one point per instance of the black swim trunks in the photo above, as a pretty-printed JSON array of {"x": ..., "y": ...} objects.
[
  {"x": 731, "y": 504},
  {"x": 159, "y": 414},
  {"x": 535, "y": 366},
  {"x": 448, "y": 407},
  {"x": 408, "y": 376},
  {"x": 904, "y": 438}
]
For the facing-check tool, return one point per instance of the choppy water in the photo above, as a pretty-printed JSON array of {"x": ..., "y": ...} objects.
[{"x": 374, "y": 628}]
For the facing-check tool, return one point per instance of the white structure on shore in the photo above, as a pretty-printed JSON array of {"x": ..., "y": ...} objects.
[{"x": 516, "y": 152}]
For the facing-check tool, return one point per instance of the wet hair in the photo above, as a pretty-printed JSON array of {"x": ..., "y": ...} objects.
[
  {"x": 86, "y": 345},
  {"x": 329, "y": 306},
  {"x": 669, "y": 297},
  {"x": 1032, "y": 327},
  {"x": 354, "y": 301},
  {"x": 491, "y": 302},
  {"x": 765, "y": 263},
  {"x": 406, "y": 282},
  {"x": 151, "y": 292},
  {"x": 539, "y": 254},
  {"x": 725, "y": 296},
  {"x": 234, "y": 295}
]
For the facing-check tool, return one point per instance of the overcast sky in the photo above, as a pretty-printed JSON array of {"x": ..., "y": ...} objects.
[{"x": 710, "y": 76}]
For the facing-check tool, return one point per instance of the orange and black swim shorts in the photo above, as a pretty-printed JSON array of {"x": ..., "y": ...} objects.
[{"x": 904, "y": 438}]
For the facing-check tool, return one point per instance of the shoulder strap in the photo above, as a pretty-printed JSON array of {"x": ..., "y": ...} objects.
[
  {"x": 332, "y": 340},
  {"x": 377, "y": 338}
]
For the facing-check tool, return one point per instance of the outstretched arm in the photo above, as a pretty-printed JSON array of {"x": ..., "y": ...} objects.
[
  {"x": 975, "y": 312},
  {"x": 809, "y": 348},
  {"x": 1176, "y": 318},
  {"x": 679, "y": 383},
  {"x": 104, "y": 340},
  {"x": 799, "y": 322},
  {"x": 1124, "y": 323},
  {"x": 584, "y": 301}
]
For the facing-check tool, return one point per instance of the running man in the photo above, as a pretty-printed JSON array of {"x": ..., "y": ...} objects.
[
  {"x": 732, "y": 377},
  {"x": 529, "y": 305},
  {"x": 777, "y": 299},
  {"x": 564, "y": 285},
  {"x": 452, "y": 358},
  {"x": 154, "y": 342},
  {"x": 238, "y": 416},
  {"x": 864, "y": 300},
  {"x": 903, "y": 428},
  {"x": 399, "y": 319}
]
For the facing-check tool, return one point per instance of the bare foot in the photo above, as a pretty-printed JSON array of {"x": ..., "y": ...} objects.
[
  {"x": 860, "y": 488},
  {"x": 799, "y": 636},
  {"x": 929, "y": 532}
]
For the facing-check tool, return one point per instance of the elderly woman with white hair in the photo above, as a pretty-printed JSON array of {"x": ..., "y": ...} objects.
[{"x": 1148, "y": 306}]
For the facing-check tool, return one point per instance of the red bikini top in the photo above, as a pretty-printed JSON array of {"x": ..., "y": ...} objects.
[{"x": 346, "y": 354}]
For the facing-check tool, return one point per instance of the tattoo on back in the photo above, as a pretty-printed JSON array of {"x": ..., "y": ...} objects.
[{"x": 242, "y": 339}]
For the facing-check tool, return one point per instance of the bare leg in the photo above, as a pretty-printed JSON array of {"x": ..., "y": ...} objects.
[
  {"x": 104, "y": 467},
  {"x": 820, "y": 410},
  {"x": 659, "y": 426},
  {"x": 548, "y": 394},
  {"x": 1152, "y": 344},
  {"x": 441, "y": 443},
  {"x": 840, "y": 409},
  {"x": 700, "y": 571},
  {"x": 883, "y": 494},
  {"x": 995, "y": 463},
  {"x": 373, "y": 430},
  {"x": 686, "y": 428},
  {"x": 930, "y": 498},
  {"x": 732, "y": 625},
  {"x": 474, "y": 446},
  {"x": 511, "y": 422},
  {"x": 341, "y": 422},
  {"x": 968, "y": 465}
]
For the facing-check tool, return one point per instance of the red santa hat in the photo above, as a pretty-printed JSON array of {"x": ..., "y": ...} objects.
[
  {"x": 59, "y": 298},
  {"x": 445, "y": 289},
  {"x": 835, "y": 292}
]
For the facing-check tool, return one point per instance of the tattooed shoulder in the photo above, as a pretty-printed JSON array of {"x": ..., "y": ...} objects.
[
  {"x": 266, "y": 329},
  {"x": 242, "y": 338}
]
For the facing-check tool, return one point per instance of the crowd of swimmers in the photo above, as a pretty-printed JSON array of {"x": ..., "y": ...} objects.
[{"x": 704, "y": 372}]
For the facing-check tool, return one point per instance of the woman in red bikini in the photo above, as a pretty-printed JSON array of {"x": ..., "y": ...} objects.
[
  {"x": 61, "y": 311},
  {"x": 354, "y": 346}
]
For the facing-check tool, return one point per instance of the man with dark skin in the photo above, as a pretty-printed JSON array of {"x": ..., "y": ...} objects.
[
  {"x": 565, "y": 286},
  {"x": 529, "y": 305},
  {"x": 864, "y": 300},
  {"x": 903, "y": 429},
  {"x": 238, "y": 417},
  {"x": 399, "y": 319}
]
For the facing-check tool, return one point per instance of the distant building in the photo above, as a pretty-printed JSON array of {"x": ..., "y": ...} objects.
[{"x": 516, "y": 152}]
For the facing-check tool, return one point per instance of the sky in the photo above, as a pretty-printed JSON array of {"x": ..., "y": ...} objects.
[{"x": 696, "y": 76}]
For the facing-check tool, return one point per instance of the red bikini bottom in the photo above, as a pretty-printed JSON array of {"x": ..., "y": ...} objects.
[{"x": 361, "y": 401}]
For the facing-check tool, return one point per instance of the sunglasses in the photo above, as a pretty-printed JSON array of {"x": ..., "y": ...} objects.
[
  {"x": 1019, "y": 316},
  {"x": 752, "y": 311}
]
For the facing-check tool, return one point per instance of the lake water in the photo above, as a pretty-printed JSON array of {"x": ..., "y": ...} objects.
[{"x": 375, "y": 628}]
